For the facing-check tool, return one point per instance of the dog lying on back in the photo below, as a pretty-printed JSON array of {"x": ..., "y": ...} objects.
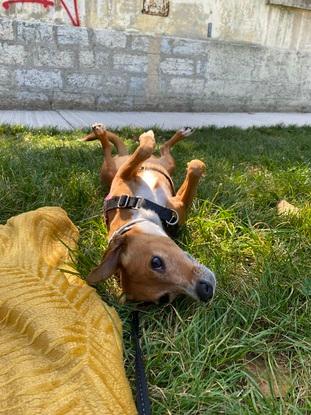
[{"x": 140, "y": 211}]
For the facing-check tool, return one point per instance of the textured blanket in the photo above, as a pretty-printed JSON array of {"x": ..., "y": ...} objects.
[{"x": 60, "y": 344}]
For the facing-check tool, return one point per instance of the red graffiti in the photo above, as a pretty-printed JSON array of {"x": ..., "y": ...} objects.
[
  {"x": 45, "y": 3},
  {"x": 75, "y": 20},
  {"x": 74, "y": 17}
]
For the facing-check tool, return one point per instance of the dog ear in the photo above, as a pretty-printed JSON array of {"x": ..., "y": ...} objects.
[{"x": 110, "y": 261}]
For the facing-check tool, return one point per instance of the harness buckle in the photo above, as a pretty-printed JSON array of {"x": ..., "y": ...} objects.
[
  {"x": 139, "y": 202},
  {"x": 174, "y": 218},
  {"x": 123, "y": 201}
]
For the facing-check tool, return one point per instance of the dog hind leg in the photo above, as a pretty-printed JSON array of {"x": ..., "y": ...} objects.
[
  {"x": 187, "y": 191},
  {"x": 166, "y": 159},
  {"x": 116, "y": 140},
  {"x": 113, "y": 138},
  {"x": 108, "y": 169}
]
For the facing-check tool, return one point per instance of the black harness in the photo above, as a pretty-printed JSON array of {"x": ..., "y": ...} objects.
[{"x": 169, "y": 217}]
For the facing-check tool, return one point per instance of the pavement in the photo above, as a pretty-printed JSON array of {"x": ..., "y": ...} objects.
[{"x": 70, "y": 119}]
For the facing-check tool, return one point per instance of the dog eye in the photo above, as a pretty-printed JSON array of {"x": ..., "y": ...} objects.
[{"x": 157, "y": 263}]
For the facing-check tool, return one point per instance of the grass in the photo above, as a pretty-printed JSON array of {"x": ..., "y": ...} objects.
[{"x": 249, "y": 352}]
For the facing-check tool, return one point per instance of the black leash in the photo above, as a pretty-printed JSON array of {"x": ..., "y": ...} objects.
[{"x": 142, "y": 397}]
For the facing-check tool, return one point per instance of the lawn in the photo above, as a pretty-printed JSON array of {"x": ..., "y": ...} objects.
[{"x": 249, "y": 351}]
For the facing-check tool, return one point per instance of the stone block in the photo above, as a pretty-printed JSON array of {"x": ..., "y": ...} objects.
[
  {"x": 53, "y": 57},
  {"x": 201, "y": 67},
  {"x": 130, "y": 63},
  {"x": 17, "y": 99},
  {"x": 137, "y": 86},
  {"x": 235, "y": 62},
  {"x": 65, "y": 100},
  {"x": 39, "y": 79},
  {"x": 177, "y": 66},
  {"x": 280, "y": 65},
  {"x": 33, "y": 100},
  {"x": 304, "y": 63},
  {"x": 190, "y": 47},
  {"x": 87, "y": 59},
  {"x": 34, "y": 32},
  {"x": 141, "y": 43},
  {"x": 187, "y": 47},
  {"x": 187, "y": 86},
  {"x": 239, "y": 91},
  {"x": 166, "y": 46},
  {"x": 83, "y": 82},
  {"x": 115, "y": 85},
  {"x": 114, "y": 103},
  {"x": 12, "y": 54},
  {"x": 94, "y": 59},
  {"x": 5, "y": 76},
  {"x": 67, "y": 35},
  {"x": 6, "y": 29},
  {"x": 110, "y": 38}
]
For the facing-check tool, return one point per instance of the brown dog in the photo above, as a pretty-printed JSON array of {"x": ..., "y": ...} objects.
[{"x": 140, "y": 210}]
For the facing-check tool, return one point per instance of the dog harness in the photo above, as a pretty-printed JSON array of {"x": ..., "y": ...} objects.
[{"x": 169, "y": 217}]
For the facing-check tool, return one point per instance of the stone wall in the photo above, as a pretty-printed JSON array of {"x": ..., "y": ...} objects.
[
  {"x": 48, "y": 66},
  {"x": 264, "y": 22}
]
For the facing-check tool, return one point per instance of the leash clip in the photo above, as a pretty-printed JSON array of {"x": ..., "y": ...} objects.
[{"x": 174, "y": 218}]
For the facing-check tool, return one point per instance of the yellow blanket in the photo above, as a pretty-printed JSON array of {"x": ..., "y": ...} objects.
[{"x": 60, "y": 345}]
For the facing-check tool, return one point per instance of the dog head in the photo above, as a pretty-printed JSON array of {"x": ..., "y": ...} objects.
[{"x": 153, "y": 268}]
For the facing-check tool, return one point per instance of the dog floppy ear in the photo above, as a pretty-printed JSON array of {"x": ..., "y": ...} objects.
[{"x": 110, "y": 261}]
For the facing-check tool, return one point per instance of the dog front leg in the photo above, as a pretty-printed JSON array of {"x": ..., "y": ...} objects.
[
  {"x": 141, "y": 154},
  {"x": 187, "y": 191}
]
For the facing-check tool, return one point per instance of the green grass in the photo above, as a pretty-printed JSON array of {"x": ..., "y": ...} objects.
[{"x": 197, "y": 356}]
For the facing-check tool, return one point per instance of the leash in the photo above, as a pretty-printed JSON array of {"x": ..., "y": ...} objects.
[{"x": 142, "y": 397}]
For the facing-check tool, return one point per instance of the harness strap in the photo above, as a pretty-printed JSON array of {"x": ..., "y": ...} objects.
[
  {"x": 142, "y": 397},
  {"x": 169, "y": 217}
]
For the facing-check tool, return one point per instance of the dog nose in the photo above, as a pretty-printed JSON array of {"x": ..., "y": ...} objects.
[{"x": 204, "y": 290}]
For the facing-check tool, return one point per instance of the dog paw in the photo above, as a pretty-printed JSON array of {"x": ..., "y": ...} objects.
[
  {"x": 98, "y": 128},
  {"x": 196, "y": 167},
  {"x": 186, "y": 131},
  {"x": 147, "y": 141}
]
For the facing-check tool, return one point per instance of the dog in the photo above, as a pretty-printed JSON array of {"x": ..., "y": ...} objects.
[{"x": 140, "y": 210}]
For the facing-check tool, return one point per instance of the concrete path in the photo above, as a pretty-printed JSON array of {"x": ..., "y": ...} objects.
[{"x": 67, "y": 119}]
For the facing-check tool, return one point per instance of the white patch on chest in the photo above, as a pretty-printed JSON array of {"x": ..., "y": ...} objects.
[
  {"x": 150, "y": 178},
  {"x": 151, "y": 229},
  {"x": 150, "y": 188}
]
